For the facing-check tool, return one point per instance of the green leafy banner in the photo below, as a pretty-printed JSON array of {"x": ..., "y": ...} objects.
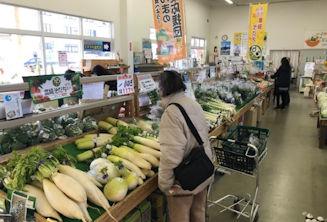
[{"x": 54, "y": 87}]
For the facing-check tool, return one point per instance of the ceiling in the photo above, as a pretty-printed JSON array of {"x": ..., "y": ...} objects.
[{"x": 222, "y": 3}]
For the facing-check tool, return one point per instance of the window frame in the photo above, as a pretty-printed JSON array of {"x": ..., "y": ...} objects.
[
  {"x": 204, "y": 48},
  {"x": 41, "y": 33}
]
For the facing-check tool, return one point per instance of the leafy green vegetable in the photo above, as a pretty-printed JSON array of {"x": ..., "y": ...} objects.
[
  {"x": 26, "y": 166},
  {"x": 125, "y": 134},
  {"x": 73, "y": 130},
  {"x": 63, "y": 156},
  {"x": 58, "y": 130},
  {"x": 89, "y": 124}
]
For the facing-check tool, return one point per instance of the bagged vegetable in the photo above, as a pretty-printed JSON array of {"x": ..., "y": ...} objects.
[{"x": 89, "y": 124}]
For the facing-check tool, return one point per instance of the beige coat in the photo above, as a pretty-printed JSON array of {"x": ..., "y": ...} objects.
[{"x": 177, "y": 141}]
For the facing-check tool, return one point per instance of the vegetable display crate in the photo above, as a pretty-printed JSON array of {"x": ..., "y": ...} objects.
[{"x": 234, "y": 156}]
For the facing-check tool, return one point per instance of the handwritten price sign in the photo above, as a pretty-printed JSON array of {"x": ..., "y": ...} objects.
[
  {"x": 146, "y": 83},
  {"x": 125, "y": 84}
]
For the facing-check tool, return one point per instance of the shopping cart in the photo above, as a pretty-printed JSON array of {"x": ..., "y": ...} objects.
[{"x": 237, "y": 156}]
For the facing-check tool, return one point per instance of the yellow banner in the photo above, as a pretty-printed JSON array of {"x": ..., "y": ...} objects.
[
  {"x": 169, "y": 24},
  {"x": 237, "y": 38},
  {"x": 258, "y": 15}
]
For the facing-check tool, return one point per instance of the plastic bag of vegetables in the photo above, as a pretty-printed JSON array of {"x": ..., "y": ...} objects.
[
  {"x": 89, "y": 124},
  {"x": 73, "y": 129},
  {"x": 47, "y": 135}
]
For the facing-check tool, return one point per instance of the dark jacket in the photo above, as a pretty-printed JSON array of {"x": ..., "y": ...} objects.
[{"x": 282, "y": 77}]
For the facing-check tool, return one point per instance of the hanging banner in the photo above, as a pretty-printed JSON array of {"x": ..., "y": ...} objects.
[
  {"x": 237, "y": 43},
  {"x": 53, "y": 87},
  {"x": 315, "y": 39},
  {"x": 170, "y": 32},
  {"x": 258, "y": 15}
]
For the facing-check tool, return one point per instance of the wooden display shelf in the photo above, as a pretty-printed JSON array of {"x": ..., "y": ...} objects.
[
  {"x": 47, "y": 146},
  {"x": 4, "y": 124},
  {"x": 122, "y": 208},
  {"x": 84, "y": 80}
]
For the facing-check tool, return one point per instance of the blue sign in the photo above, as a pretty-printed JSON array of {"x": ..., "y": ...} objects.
[
  {"x": 90, "y": 45},
  {"x": 106, "y": 46}
]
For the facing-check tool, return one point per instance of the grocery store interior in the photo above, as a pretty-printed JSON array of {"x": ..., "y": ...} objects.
[{"x": 86, "y": 132}]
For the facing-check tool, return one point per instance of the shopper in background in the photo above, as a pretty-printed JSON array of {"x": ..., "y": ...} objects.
[
  {"x": 176, "y": 142},
  {"x": 101, "y": 71},
  {"x": 282, "y": 83}
]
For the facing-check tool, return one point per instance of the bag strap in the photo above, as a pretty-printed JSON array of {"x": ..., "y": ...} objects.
[{"x": 189, "y": 123}]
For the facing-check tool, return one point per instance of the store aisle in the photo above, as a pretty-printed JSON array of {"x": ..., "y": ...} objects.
[{"x": 293, "y": 176}]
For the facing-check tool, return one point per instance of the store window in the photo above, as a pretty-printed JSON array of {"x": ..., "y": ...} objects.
[
  {"x": 70, "y": 47},
  {"x": 20, "y": 55},
  {"x": 154, "y": 44},
  {"x": 31, "y": 42},
  {"x": 198, "y": 49},
  {"x": 59, "y": 23},
  {"x": 19, "y": 18},
  {"x": 96, "y": 28}
]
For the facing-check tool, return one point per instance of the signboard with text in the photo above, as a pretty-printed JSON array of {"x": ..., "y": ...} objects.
[
  {"x": 146, "y": 83},
  {"x": 125, "y": 84},
  {"x": 90, "y": 45},
  {"x": 170, "y": 31},
  {"x": 256, "y": 36},
  {"x": 315, "y": 39},
  {"x": 52, "y": 87}
]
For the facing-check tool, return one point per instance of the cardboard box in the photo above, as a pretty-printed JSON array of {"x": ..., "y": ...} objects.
[{"x": 250, "y": 117}]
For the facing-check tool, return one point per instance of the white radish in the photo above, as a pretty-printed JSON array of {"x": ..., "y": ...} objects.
[
  {"x": 129, "y": 165},
  {"x": 93, "y": 180},
  {"x": 42, "y": 205},
  {"x": 148, "y": 173},
  {"x": 150, "y": 158},
  {"x": 83, "y": 207},
  {"x": 37, "y": 184},
  {"x": 70, "y": 187},
  {"x": 93, "y": 193},
  {"x": 60, "y": 202}
]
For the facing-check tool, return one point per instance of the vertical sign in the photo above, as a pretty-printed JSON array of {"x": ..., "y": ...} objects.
[
  {"x": 237, "y": 43},
  {"x": 258, "y": 15},
  {"x": 62, "y": 57},
  {"x": 170, "y": 32}
]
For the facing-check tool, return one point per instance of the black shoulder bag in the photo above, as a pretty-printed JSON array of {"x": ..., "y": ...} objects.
[{"x": 196, "y": 167}]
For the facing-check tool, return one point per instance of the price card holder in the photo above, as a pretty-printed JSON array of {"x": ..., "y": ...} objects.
[
  {"x": 125, "y": 84},
  {"x": 146, "y": 83},
  {"x": 13, "y": 106}
]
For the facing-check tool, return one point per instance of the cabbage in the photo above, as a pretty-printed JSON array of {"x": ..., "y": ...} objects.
[
  {"x": 103, "y": 170},
  {"x": 116, "y": 189}
]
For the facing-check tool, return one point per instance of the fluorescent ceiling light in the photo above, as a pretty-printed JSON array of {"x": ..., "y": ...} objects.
[{"x": 229, "y": 2}]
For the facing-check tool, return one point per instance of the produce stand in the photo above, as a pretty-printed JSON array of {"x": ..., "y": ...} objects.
[
  {"x": 267, "y": 96},
  {"x": 322, "y": 124}
]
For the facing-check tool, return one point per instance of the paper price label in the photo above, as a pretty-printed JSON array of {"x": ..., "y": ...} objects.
[
  {"x": 125, "y": 84},
  {"x": 146, "y": 83}
]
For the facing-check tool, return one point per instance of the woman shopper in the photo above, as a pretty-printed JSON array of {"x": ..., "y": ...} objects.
[
  {"x": 176, "y": 142},
  {"x": 282, "y": 83}
]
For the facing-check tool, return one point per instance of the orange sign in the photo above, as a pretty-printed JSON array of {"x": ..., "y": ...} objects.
[{"x": 170, "y": 32}]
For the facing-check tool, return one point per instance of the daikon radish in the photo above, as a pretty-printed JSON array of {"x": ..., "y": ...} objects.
[
  {"x": 93, "y": 193},
  {"x": 148, "y": 173},
  {"x": 37, "y": 184},
  {"x": 42, "y": 205},
  {"x": 147, "y": 142},
  {"x": 60, "y": 202},
  {"x": 129, "y": 165},
  {"x": 144, "y": 149},
  {"x": 74, "y": 190},
  {"x": 151, "y": 159},
  {"x": 83, "y": 207},
  {"x": 92, "y": 179},
  {"x": 131, "y": 155}
]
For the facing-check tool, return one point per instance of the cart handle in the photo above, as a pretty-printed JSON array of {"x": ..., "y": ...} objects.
[{"x": 250, "y": 146}]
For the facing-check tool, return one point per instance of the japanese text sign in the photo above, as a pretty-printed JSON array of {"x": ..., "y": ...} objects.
[
  {"x": 125, "y": 84},
  {"x": 146, "y": 83},
  {"x": 258, "y": 15},
  {"x": 316, "y": 39},
  {"x": 90, "y": 45},
  {"x": 170, "y": 32},
  {"x": 53, "y": 87}
]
